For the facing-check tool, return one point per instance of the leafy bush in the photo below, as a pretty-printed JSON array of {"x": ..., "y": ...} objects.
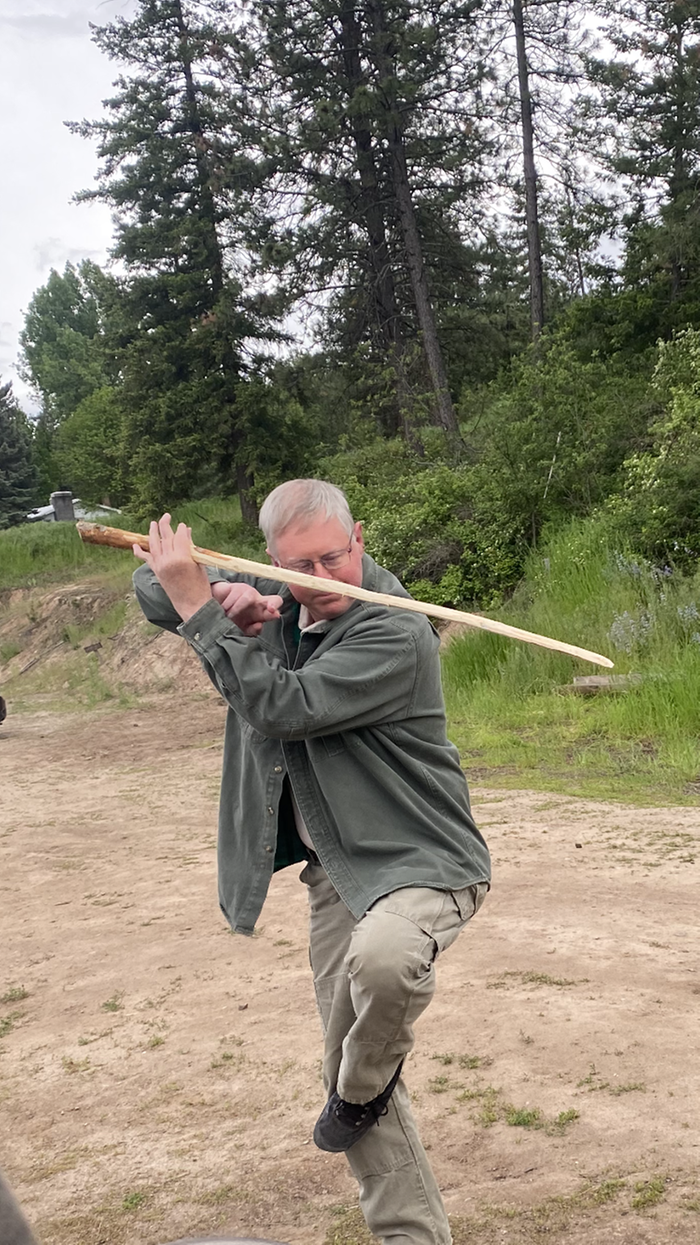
[
  {"x": 422, "y": 519},
  {"x": 553, "y": 435},
  {"x": 89, "y": 449},
  {"x": 546, "y": 441},
  {"x": 659, "y": 505}
]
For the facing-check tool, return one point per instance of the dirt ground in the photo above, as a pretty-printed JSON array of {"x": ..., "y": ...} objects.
[{"x": 159, "y": 1076}]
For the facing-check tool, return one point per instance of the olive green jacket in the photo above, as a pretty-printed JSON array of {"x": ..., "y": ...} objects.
[{"x": 354, "y": 717}]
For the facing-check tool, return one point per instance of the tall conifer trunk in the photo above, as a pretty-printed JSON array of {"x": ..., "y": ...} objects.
[
  {"x": 679, "y": 179},
  {"x": 373, "y": 212},
  {"x": 534, "y": 252},
  {"x": 215, "y": 265},
  {"x": 444, "y": 413}
]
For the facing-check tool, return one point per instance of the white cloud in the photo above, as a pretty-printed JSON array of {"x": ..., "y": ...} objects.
[
  {"x": 46, "y": 25},
  {"x": 53, "y": 253}
]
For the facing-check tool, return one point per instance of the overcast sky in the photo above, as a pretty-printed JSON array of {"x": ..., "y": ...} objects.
[{"x": 51, "y": 73}]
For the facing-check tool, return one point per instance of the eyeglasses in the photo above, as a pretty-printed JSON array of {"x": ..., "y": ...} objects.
[{"x": 330, "y": 561}]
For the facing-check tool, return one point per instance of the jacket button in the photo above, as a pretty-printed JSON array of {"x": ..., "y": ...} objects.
[
  {"x": 197, "y": 635},
  {"x": 278, "y": 769},
  {"x": 268, "y": 848},
  {"x": 270, "y": 810}
]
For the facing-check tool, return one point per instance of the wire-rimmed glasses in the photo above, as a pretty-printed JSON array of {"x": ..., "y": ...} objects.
[{"x": 334, "y": 561}]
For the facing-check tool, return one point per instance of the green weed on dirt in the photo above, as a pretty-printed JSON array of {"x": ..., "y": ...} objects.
[
  {"x": 69, "y": 683},
  {"x": 649, "y": 1192},
  {"x": 348, "y": 1228},
  {"x": 14, "y": 994},
  {"x": 491, "y": 1225}
]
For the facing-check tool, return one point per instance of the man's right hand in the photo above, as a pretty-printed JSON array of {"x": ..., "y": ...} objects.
[{"x": 245, "y": 606}]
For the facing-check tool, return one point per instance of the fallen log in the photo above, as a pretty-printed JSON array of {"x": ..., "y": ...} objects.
[{"x": 593, "y": 684}]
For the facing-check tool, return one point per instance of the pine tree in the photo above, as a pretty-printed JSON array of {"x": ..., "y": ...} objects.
[
  {"x": 18, "y": 476},
  {"x": 179, "y": 191},
  {"x": 651, "y": 109},
  {"x": 537, "y": 57},
  {"x": 369, "y": 109}
]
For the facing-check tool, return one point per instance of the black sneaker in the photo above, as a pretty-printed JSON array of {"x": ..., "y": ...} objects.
[{"x": 342, "y": 1123}]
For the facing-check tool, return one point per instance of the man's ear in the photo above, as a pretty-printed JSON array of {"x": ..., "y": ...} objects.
[
  {"x": 357, "y": 533},
  {"x": 272, "y": 557}
]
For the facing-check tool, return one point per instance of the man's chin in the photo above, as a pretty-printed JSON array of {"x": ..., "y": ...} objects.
[{"x": 327, "y": 605}]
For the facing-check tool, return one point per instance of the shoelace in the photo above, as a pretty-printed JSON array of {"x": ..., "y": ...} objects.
[
  {"x": 358, "y": 1111},
  {"x": 379, "y": 1106}
]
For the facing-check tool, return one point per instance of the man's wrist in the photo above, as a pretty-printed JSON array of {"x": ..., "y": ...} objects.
[
  {"x": 205, "y": 626},
  {"x": 188, "y": 605}
]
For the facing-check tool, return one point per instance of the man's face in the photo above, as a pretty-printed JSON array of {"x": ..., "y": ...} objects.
[{"x": 308, "y": 543}]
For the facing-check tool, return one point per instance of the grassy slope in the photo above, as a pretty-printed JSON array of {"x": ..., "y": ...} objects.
[
  {"x": 45, "y": 553},
  {"x": 516, "y": 727},
  {"x": 506, "y": 709},
  {"x": 45, "y": 558}
]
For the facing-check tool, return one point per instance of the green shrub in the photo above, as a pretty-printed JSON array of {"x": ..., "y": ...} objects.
[
  {"x": 423, "y": 521},
  {"x": 658, "y": 507}
]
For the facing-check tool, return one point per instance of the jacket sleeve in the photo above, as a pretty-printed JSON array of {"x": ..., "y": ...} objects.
[
  {"x": 156, "y": 604},
  {"x": 365, "y": 680}
]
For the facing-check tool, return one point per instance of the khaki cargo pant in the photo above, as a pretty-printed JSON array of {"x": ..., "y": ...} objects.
[{"x": 373, "y": 978}]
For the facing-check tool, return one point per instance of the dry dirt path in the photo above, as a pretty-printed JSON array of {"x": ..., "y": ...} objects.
[{"x": 159, "y": 1077}]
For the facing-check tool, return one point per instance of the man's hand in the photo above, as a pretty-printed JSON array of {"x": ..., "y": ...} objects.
[
  {"x": 245, "y": 606},
  {"x": 186, "y": 583}
]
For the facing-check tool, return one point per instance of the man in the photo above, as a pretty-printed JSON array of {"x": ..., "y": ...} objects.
[{"x": 336, "y": 753}]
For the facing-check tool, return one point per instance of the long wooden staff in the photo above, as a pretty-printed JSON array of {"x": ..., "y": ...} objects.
[{"x": 96, "y": 534}]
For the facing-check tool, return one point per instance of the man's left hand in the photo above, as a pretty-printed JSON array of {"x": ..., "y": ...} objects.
[{"x": 170, "y": 559}]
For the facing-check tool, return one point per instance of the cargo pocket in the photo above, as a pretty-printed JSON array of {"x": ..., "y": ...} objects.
[{"x": 470, "y": 898}]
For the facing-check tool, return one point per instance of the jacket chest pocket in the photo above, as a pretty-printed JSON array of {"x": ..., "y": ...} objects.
[
  {"x": 342, "y": 741},
  {"x": 251, "y": 736},
  {"x": 333, "y": 745}
]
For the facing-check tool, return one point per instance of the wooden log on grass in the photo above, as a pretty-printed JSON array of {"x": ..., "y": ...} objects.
[{"x": 594, "y": 684}]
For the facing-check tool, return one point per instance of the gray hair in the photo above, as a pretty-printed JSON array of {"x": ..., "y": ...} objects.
[{"x": 302, "y": 501}]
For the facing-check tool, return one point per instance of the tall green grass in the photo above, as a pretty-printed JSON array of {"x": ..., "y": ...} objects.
[
  {"x": 36, "y": 553},
  {"x": 516, "y": 725}
]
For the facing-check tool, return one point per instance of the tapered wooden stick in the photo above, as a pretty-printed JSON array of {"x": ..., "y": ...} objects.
[{"x": 96, "y": 534}]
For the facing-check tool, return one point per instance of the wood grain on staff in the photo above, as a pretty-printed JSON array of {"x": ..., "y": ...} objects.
[{"x": 97, "y": 534}]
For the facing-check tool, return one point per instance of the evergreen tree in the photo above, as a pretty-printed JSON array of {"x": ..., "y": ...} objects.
[
  {"x": 18, "y": 476},
  {"x": 179, "y": 189},
  {"x": 370, "y": 110},
  {"x": 651, "y": 107},
  {"x": 537, "y": 53}
]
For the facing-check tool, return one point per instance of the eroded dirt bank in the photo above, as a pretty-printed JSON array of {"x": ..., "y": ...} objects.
[{"x": 159, "y": 1076}]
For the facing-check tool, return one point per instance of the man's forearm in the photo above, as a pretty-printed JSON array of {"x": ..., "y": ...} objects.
[{"x": 155, "y": 602}]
